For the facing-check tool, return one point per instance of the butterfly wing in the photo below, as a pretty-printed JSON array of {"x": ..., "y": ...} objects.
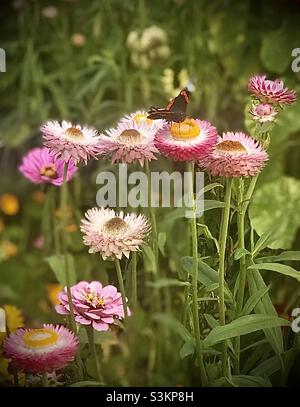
[{"x": 179, "y": 103}]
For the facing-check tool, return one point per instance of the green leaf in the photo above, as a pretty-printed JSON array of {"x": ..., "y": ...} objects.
[
  {"x": 242, "y": 326},
  {"x": 161, "y": 240},
  {"x": 265, "y": 306},
  {"x": 187, "y": 349},
  {"x": 277, "y": 202},
  {"x": 239, "y": 253},
  {"x": 265, "y": 239},
  {"x": 268, "y": 367},
  {"x": 206, "y": 275},
  {"x": 173, "y": 324},
  {"x": 149, "y": 258},
  {"x": 242, "y": 381},
  {"x": 58, "y": 266},
  {"x": 284, "y": 256},
  {"x": 278, "y": 268},
  {"x": 253, "y": 301},
  {"x": 167, "y": 282},
  {"x": 212, "y": 204},
  {"x": 86, "y": 383}
]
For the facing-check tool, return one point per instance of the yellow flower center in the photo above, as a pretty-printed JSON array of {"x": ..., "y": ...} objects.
[
  {"x": 130, "y": 136},
  {"x": 231, "y": 146},
  {"x": 74, "y": 133},
  {"x": 188, "y": 129},
  {"x": 115, "y": 225},
  {"x": 141, "y": 118},
  {"x": 40, "y": 338},
  {"x": 49, "y": 171},
  {"x": 92, "y": 298}
]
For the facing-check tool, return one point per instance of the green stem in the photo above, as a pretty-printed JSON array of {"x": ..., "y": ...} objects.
[
  {"x": 93, "y": 352},
  {"x": 45, "y": 380},
  {"x": 134, "y": 280},
  {"x": 243, "y": 268},
  {"x": 222, "y": 244},
  {"x": 152, "y": 214},
  {"x": 121, "y": 285},
  {"x": 63, "y": 213},
  {"x": 195, "y": 308}
]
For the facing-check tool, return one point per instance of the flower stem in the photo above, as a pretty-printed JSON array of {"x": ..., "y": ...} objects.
[
  {"x": 45, "y": 380},
  {"x": 93, "y": 352},
  {"x": 134, "y": 280},
  {"x": 195, "y": 309},
  {"x": 63, "y": 210},
  {"x": 222, "y": 244},
  {"x": 152, "y": 214},
  {"x": 121, "y": 285}
]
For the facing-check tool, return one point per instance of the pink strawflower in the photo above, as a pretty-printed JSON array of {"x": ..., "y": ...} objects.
[
  {"x": 93, "y": 304},
  {"x": 190, "y": 140},
  {"x": 113, "y": 234},
  {"x": 41, "y": 350},
  {"x": 40, "y": 167},
  {"x": 235, "y": 155},
  {"x": 140, "y": 117},
  {"x": 130, "y": 142},
  {"x": 263, "y": 112},
  {"x": 71, "y": 142},
  {"x": 39, "y": 242},
  {"x": 271, "y": 91}
]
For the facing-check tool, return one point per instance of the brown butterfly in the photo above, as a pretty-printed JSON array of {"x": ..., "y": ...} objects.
[{"x": 175, "y": 111}]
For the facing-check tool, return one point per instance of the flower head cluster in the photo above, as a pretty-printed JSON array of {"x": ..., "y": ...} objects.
[
  {"x": 40, "y": 167},
  {"x": 131, "y": 141},
  {"x": 235, "y": 155},
  {"x": 273, "y": 92},
  {"x": 190, "y": 140},
  {"x": 263, "y": 112},
  {"x": 113, "y": 234},
  {"x": 41, "y": 350},
  {"x": 93, "y": 304},
  {"x": 71, "y": 142}
]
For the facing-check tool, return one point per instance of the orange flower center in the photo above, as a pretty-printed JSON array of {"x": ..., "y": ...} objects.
[
  {"x": 186, "y": 130},
  {"x": 40, "y": 338},
  {"x": 231, "y": 146},
  {"x": 130, "y": 136},
  {"x": 115, "y": 225},
  {"x": 94, "y": 299},
  {"x": 49, "y": 171},
  {"x": 74, "y": 133}
]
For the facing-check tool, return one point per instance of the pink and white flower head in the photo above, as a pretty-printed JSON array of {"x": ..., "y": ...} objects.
[
  {"x": 269, "y": 91},
  {"x": 40, "y": 167},
  {"x": 71, "y": 142},
  {"x": 130, "y": 142},
  {"x": 41, "y": 350},
  {"x": 190, "y": 140},
  {"x": 263, "y": 112},
  {"x": 112, "y": 234},
  {"x": 235, "y": 155},
  {"x": 93, "y": 304},
  {"x": 141, "y": 117}
]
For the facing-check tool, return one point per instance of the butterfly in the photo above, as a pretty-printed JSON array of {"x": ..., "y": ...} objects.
[{"x": 175, "y": 111}]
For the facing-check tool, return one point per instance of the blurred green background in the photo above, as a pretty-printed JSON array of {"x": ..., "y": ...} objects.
[{"x": 93, "y": 61}]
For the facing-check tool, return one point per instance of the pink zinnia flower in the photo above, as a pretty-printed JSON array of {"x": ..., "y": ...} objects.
[
  {"x": 40, "y": 167},
  {"x": 190, "y": 140},
  {"x": 113, "y": 234},
  {"x": 130, "y": 142},
  {"x": 271, "y": 91},
  {"x": 141, "y": 117},
  {"x": 235, "y": 155},
  {"x": 93, "y": 304},
  {"x": 41, "y": 350},
  {"x": 263, "y": 112},
  {"x": 71, "y": 142}
]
